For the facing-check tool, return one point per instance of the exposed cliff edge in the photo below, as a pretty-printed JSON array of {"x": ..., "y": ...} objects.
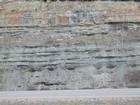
[{"x": 69, "y": 46}]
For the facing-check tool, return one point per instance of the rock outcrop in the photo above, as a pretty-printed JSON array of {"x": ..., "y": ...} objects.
[{"x": 84, "y": 47}]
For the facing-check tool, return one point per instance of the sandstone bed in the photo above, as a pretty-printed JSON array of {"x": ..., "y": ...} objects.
[{"x": 69, "y": 45}]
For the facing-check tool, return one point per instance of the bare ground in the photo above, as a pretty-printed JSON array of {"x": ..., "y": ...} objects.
[{"x": 112, "y": 102}]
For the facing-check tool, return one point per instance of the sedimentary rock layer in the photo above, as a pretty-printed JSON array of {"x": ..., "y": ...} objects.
[{"x": 75, "y": 48}]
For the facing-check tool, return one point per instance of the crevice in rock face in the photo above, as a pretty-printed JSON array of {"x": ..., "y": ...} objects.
[
  {"x": 29, "y": 68},
  {"x": 47, "y": 55},
  {"x": 49, "y": 84},
  {"x": 51, "y": 69},
  {"x": 32, "y": 47},
  {"x": 102, "y": 57},
  {"x": 111, "y": 66},
  {"x": 70, "y": 68}
]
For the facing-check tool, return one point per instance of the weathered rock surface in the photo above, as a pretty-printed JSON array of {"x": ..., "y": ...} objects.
[{"x": 83, "y": 49}]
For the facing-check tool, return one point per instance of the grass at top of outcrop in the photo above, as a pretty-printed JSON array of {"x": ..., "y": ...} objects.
[{"x": 111, "y": 102}]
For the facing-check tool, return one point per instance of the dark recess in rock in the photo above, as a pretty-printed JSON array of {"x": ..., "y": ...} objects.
[
  {"x": 50, "y": 69},
  {"x": 50, "y": 84},
  {"x": 70, "y": 68},
  {"x": 111, "y": 66}
]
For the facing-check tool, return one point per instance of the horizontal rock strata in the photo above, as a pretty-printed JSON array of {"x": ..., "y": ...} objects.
[{"x": 75, "y": 49}]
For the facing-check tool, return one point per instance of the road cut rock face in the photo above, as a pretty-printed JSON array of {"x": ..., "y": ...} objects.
[{"x": 69, "y": 45}]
